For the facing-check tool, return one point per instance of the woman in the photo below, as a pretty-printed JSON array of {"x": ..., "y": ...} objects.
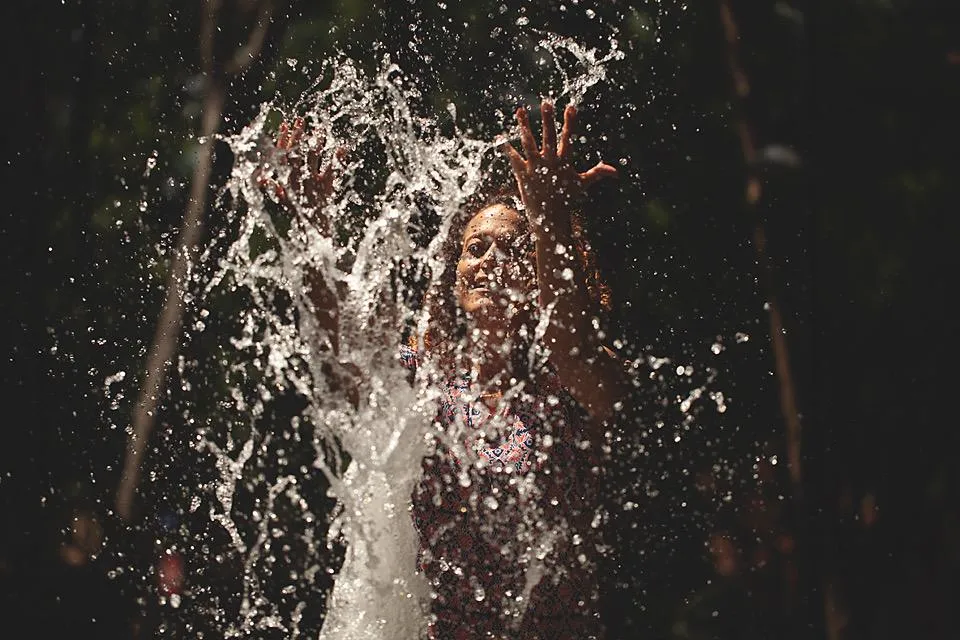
[{"x": 507, "y": 506}]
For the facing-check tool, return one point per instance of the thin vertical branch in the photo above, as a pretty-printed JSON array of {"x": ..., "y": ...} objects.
[
  {"x": 246, "y": 54},
  {"x": 752, "y": 194},
  {"x": 170, "y": 323},
  {"x": 833, "y": 613}
]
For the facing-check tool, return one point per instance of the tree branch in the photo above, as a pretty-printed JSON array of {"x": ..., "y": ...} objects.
[
  {"x": 752, "y": 194},
  {"x": 246, "y": 54},
  {"x": 170, "y": 323},
  {"x": 834, "y": 616}
]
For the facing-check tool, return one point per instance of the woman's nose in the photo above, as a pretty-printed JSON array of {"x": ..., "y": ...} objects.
[
  {"x": 484, "y": 260},
  {"x": 489, "y": 262},
  {"x": 481, "y": 274}
]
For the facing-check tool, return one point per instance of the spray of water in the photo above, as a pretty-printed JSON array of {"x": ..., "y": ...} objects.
[
  {"x": 356, "y": 242},
  {"x": 393, "y": 158}
]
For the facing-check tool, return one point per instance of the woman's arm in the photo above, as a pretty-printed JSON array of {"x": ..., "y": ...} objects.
[
  {"x": 301, "y": 183},
  {"x": 310, "y": 186},
  {"x": 550, "y": 188}
]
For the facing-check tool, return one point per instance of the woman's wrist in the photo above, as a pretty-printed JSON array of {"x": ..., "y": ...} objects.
[{"x": 552, "y": 229}]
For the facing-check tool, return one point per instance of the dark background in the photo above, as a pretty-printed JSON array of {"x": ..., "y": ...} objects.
[{"x": 860, "y": 214}]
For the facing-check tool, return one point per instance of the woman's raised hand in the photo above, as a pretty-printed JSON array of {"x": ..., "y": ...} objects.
[
  {"x": 548, "y": 182},
  {"x": 306, "y": 181}
]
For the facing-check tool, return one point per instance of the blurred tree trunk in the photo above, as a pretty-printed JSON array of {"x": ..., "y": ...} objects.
[
  {"x": 170, "y": 322},
  {"x": 806, "y": 571}
]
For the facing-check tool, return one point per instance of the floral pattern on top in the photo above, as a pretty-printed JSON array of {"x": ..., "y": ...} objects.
[
  {"x": 513, "y": 445},
  {"x": 474, "y": 522}
]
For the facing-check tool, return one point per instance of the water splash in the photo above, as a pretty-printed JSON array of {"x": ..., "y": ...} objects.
[
  {"x": 377, "y": 593},
  {"x": 587, "y": 67},
  {"x": 369, "y": 454}
]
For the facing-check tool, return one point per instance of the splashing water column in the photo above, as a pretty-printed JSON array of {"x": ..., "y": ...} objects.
[{"x": 377, "y": 594}]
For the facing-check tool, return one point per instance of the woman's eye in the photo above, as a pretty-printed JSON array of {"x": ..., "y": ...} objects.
[{"x": 475, "y": 249}]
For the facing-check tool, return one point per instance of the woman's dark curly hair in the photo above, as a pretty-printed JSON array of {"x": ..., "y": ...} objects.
[{"x": 446, "y": 325}]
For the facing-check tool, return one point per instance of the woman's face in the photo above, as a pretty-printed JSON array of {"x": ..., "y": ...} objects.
[{"x": 495, "y": 273}]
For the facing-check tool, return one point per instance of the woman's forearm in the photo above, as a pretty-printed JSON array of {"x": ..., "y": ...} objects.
[
  {"x": 562, "y": 286},
  {"x": 549, "y": 185},
  {"x": 589, "y": 371}
]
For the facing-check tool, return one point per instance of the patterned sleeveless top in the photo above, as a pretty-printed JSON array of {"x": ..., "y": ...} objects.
[{"x": 507, "y": 511}]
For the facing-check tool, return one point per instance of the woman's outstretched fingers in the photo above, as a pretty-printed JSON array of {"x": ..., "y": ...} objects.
[
  {"x": 526, "y": 136},
  {"x": 314, "y": 153},
  {"x": 549, "y": 147},
  {"x": 516, "y": 160},
  {"x": 284, "y": 136},
  {"x": 296, "y": 132},
  {"x": 569, "y": 124},
  {"x": 600, "y": 171}
]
